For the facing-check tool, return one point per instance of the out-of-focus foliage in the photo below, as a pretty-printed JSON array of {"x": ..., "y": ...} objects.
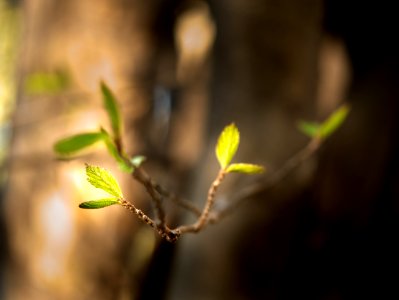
[
  {"x": 334, "y": 121},
  {"x": 328, "y": 127},
  {"x": 112, "y": 109},
  {"x": 46, "y": 83},
  {"x": 310, "y": 129},
  {"x": 75, "y": 143},
  {"x": 113, "y": 151}
]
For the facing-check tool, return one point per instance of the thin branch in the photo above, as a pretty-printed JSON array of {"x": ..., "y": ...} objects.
[
  {"x": 142, "y": 216},
  {"x": 203, "y": 218},
  {"x": 186, "y": 205},
  {"x": 178, "y": 201},
  {"x": 164, "y": 232},
  {"x": 269, "y": 182},
  {"x": 141, "y": 176}
]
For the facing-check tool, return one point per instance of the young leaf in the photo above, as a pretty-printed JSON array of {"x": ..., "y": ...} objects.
[
  {"x": 102, "y": 179},
  {"x": 227, "y": 145},
  {"x": 334, "y": 121},
  {"x": 112, "y": 109},
  {"x": 309, "y": 128},
  {"x": 77, "y": 142},
  {"x": 137, "y": 160},
  {"x": 122, "y": 164},
  {"x": 99, "y": 203},
  {"x": 245, "y": 168}
]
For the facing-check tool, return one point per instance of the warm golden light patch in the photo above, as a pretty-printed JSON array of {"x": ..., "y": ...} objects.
[{"x": 194, "y": 36}]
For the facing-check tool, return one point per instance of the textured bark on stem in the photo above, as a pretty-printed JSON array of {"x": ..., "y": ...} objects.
[{"x": 164, "y": 232}]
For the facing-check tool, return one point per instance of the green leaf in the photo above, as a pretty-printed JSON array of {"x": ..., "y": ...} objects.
[
  {"x": 46, "y": 83},
  {"x": 334, "y": 121},
  {"x": 99, "y": 203},
  {"x": 137, "y": 160},
  {"x": 112, "y": 109},
  {"x": 75, "y": 143},
  {"x": 227, "y": 145},
  {"x": 102, "y": 179},
  {"x": 245, "y": 168},
  {"x": 113, "y": 151},
  {"x": 310, "y": 129}
]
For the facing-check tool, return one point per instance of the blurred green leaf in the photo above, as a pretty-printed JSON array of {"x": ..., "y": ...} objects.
[
  {"x": 310, "y": 129},
  {"x": 334, "y": 121},
  {"x": 46, "y": 83},
  {"x": 102, "y": 179},
  {"x": 75, "y": 143},
  {"x": 227, "y": 145},
  {"x": 112, "y": 109},
  {"x": 137, "y": 160},
  {"x": 99, "y": 203},
  {"x": 245, "y": 168},
  {"x": 113, "y": 151}
]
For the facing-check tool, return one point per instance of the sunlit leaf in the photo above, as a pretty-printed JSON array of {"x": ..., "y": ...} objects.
[
  {"x": 46, "y": 83},
  {"x": 75, "y": 143},
  {"x": 245, "y": 168},
  {"x": 113, "y": 151},
  {"x": 309, "y": 128},
  {"x": 137, "y": 160},
  {"x": 102, "y": 179},
  {"x": 99, "y": 203},
  {"x": 112, "y": 109},
  {"x": 334, "y": 121},
  {"x": 227, "y": 145}
]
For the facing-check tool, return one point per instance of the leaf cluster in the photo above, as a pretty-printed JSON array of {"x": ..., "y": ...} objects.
[
  {"x": 71, "y": 145},
  {"x": 104, "y": 180},
  {"x": 227, "y": 147}
]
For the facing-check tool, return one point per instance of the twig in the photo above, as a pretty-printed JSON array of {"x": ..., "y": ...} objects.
[
  {"x": 141, "y": 176},
  {"x": 164, "y": 232},
  {"x": 178, "y": 201},
  {"x": 269, "y": 182},
  {"x": 203, "y": 218}
]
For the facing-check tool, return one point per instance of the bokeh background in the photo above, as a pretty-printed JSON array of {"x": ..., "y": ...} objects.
[{"x": 182, "y": 70}]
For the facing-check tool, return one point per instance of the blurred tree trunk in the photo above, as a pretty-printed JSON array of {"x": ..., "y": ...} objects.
[
  {"x": 57, "y": 251},
  {"x": 264, "y": 79}
]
